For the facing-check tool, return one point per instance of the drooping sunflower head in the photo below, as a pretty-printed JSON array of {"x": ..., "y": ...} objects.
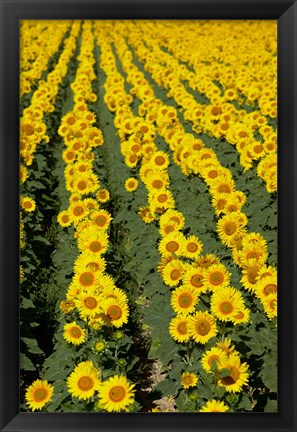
[{"x": 225, "y": 345}]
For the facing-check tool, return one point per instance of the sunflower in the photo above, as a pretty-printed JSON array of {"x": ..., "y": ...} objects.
[
  {"x": 28, "y": 204},
  {"x": 160, "y": 160},
  {"x": 103, "y": 195},
  {"x": 211, "y": 357},
  {"x": 229, "y": 226},
  {"x": 101, "y": 219},
  {"x": 270, "y": 305},
  {"x": 226, "y": 302},
  {"x": 238, "y": 376},
  {"x": 116, "y": 394},
  {"x": 23, "y": 173},
  {"x": 77, "y": 211},
  {"x": 171, "y": 244},
  {"x": 189, "y": 380},
  {"x": 86, "y": 279},
  {"x": 114, "y": 293},
  {"x": 84, "y": 381},
  {"x": 38, "y": 394},
  {"x": 160, "y": 200},
  {"x": 202, "y": 327},
  {"x": 93, "y": 240},
  {"x": 131, "y": 184},
  {"x": 216, "y": 277},
  {"x": 116, "y": 311},
  {"x": 172, "y": 216},
  {"x": 64, "y": 218},
  {"x": 267, "y": 285},
  {"x": 253, "y": 251},
  {"x": 183, "y": 301},
  {"x": 168, "y": 228},
  {"x": 219, "y": 202},
  {"x": 222, "y": 185},
  {"x": 265, "y": 271},
  {"x": 88, "y": 303},
  {"x": 91, "y": 204},
  {"x": 172, "y": 272},
  {"x": 194, "y": 279},
  {"x": 214, "y": 406},
  {"x": 242, "y": 316},
  {"x": 74, "y": 334},
  {"x": 206, "y": 261},
  {"x": 191, "y": 247},
  {"x": 226, "y": 346},
  {"x": 156, "y": 181},
  {"x": 89, "y": 261},
  {"x": 250, "y": 275},
  {"x": 146, "y": 215},
  {"x": 179, "y": 328}
]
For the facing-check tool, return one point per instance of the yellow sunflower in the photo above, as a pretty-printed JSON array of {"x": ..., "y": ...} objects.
[
  {"x": 226, "y": 346},
  {"x": 160, "y": 160},
  {"x": 28, "y": 204},
  {"x": 89, "y": 261},
  {"x": 183, "y": 301},
  {"x": 216, "y": 277},
  {"x": 77, "y": 211},
  {"x": 242, "y": 316},
  {"x": 179, "y": 328},
  {"x": 116, "y": 394},
  {"x": 174, "y": 216},
  {"x": 194, "y": 279},
  {"x": 202, "y": 327},
  {"x": 214, "y": 406},
  {"x": 250, "y": 275},
  {"x": 229, "y": 226},
  {"x": 225, "y": 303},
  {"x": 84, "y": 381},
  {"x": 189, "y": 380},
  {"x": 93, "y": 240},
  {"x": 146, "y": 215},
  {"x": 64, "y": 218},
  {"x": 171, "y": 244},
  {"x": 116, "y": 311},
  {"x": 88, "y": 303},
  {"x": 101, "y": 218},
  {"x": 270, "y": 305},
  {"x": 265, "y": 286},
  {"x": 192, "y": 247},
  {"x": 131, "y": 184},
  {"x": 38, "y": 394},
  {"x": 212, "y": 356},
  {"x": 73, "y": 333},
  {"x": 103, "y": 195},
  {"x": 238, "y": 374},
  {"x": 172, "y": 272}
]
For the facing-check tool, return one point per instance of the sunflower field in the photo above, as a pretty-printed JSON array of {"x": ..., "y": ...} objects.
[{"x": 148, "y": 216}]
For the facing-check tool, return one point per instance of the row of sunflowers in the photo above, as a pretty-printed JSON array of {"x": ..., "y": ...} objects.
[{"x": 148, "y": 163}]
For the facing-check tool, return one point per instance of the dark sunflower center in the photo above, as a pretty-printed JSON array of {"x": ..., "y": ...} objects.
[
  {"x": 172, "y": 246},
  {"x": 40, "y": 394},
  {"x": 114, "y": 312},
  {"x": 202, "y": 327}
]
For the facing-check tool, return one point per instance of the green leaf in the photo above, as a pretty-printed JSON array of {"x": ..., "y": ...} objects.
[
  {"x": 25, "y": 363},
  {"x": 32, "y": 345}
]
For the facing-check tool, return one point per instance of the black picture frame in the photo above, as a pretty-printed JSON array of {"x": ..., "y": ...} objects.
[{"x": 285, "y": 11}]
